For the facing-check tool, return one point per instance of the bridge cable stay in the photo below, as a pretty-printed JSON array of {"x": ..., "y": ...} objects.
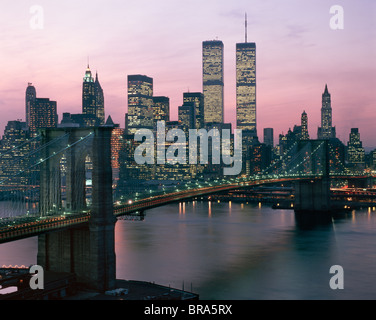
[
  {"x": 31, "y": 153},
  {"x": 336, "y": 161},
  {"x": 19, "y": 191},
  {"x": 308, "y": 157},
  {"x": 280, "y": 160},
  {"x": 293, "y": 160},
  {"x": 20, "y": 146}
]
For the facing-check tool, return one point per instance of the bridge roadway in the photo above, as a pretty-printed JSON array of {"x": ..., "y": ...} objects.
[{"x": 16, "y": 228}]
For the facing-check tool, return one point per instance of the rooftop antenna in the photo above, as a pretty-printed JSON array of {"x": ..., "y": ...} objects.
[{"x": 246, "y": 27}]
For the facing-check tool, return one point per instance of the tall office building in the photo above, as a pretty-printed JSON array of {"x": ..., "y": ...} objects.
[
  {"x": 212, "y": 67},
  {"x": 197, "y": 98},
  {"x": 269, "y": 137},
  {"x": 31, "y": 95},
  {"x": 355, "y": 150},
  {"x": 40, "y": 112},
  {"x": 92, "y": 100},
  {"x": 161, "y": 109},
  {"x": 99, "y": 100},
  {"x": 326, "y": 131},
  {"x": 140, "y": 103},
  {"x": 246, "y": 96},
  {"x": 13, "y": 159},
  {"x": 186, "y": 114},
  {"x": 246, "y": 86},
  {"x": 304, "y": 126}
]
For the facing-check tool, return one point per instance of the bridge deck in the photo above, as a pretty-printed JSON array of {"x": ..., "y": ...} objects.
[{"x": 29, "y": 226}]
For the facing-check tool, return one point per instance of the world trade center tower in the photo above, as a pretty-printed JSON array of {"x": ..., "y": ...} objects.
[
  {"x": 212, "y": 60},
  {"x": 246, "y": 86}
]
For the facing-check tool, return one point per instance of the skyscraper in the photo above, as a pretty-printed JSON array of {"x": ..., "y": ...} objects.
[
  {"x": 40, "y": 112},
  {"x": 13, "y": 159},
  {"x": 304, "y": 126},
  {"x": 269, "y": 137},
  {"x": 186, "y": 114},
  {"x": 31, "y": 95},
  {"x": 212, "y": 67},
  {"x": 326, "y": 131},
  {"x": 99, "y": 101},
  {"x": 197, "y": 98},
  {"x": 161, "y": 109},
  {"x": 140, "y": 103},
  {"x": 92, "y": 100},
  {"x": 246, "y": 96},
  {"x": 355, "y": 150},
  {"x": 246, "y": 86}
]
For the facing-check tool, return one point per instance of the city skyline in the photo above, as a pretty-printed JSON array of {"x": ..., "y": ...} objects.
[{"x": 313, "y": 55}]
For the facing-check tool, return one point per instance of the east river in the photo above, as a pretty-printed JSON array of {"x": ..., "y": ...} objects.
[{"x": 240, "y": 251}]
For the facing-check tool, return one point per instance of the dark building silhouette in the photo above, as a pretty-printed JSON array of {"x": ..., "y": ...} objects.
[
  {"x": 337, "y": 155},
  {"x": 269, "y": 137},
  {"x": 260, "y": 157}
]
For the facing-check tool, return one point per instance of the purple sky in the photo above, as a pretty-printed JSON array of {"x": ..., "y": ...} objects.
[{"x": 297, "y": 54}]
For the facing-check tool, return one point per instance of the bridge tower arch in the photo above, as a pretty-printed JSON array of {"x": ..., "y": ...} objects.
[{"x": 87, "y": 251}]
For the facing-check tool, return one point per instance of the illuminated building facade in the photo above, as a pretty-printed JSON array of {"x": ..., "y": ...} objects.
[
  {"x": 355, "y": 150},
  {"x": 186, "y": 114},
  {"x": 212, "y": 54},
  {"x": 246, "y": 86},
  {"x": 140, "y": 103},
  {"x": 40, "y": 112},
  {"x": 326, "y": 131},
  {"x": 117, "y": 144},
  {"x": 31, "y": 95},
  {"x": 161, "y": 109},
  {"x": 13, "y": 159},
  {"x": 92, "y": 100},
  {"x": 197, "y": 98},
  {"x": 304, "y": 126}
]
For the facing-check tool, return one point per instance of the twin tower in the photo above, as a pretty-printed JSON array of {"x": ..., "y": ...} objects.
[{"x": 213, "y": 83}]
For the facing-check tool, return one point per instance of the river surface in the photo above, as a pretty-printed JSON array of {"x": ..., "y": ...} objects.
[{"x": 240, "y": 251}]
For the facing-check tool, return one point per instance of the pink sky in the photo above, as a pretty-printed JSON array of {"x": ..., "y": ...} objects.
[{"x": 297, "y": 54}]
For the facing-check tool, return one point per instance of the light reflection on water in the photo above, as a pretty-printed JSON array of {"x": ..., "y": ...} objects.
[{"x": 240, "y": 251}]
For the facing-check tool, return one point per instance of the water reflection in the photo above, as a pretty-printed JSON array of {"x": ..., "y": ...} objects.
[{"x": 252, "y": 253}]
